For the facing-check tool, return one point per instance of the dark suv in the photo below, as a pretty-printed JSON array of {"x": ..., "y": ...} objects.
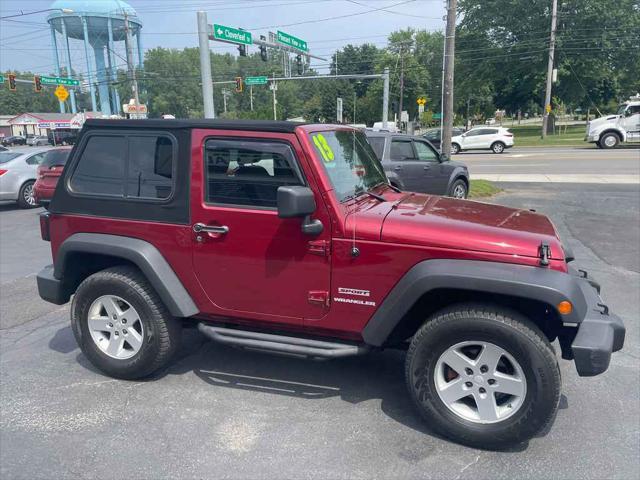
[
  {"x": 411, "y": 163},
  {"x": 286, "y": 237}
]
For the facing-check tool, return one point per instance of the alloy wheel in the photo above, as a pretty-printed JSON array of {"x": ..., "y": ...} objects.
[
  {"x": 459, "y": 191},
  {"x": 480, "y": 382},
  {"x": 115, "y": 327},
  {"x": 28, "y": 195}
]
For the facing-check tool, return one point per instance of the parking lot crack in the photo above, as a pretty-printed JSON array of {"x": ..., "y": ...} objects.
[{"x": 468, "y": 465}]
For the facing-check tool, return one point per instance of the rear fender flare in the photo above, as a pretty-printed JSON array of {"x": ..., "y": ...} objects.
[{"x": 139, "y": 252}]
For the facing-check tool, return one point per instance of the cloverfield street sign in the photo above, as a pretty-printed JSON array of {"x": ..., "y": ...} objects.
[
  {"x": 68, "y": 82},
  {"x": 291, "y": 41},
  {"x": 222, "y": 33},
  {"x": 255, "y": 81}
]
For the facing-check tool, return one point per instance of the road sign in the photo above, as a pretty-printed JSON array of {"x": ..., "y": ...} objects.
[
  {"x": 1, "y": 78},
  {"x": 62, "y": 93},
  {"x": 130, "y": 108},
  {"x": 339, "y": 110},
  {"x": 230, "y": 35},
  {"x": 420, "y": 108},
  {"x": 255, "y": 81},
  {"x": 437, "y": 116},
  {"x": 291, "y": 41},
  {"x": 67, "y": 82},
  {"x": 548, "y": 108},
  {"x": 421, "y": 101}
]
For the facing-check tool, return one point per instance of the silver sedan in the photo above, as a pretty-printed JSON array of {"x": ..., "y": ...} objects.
[{"x": 18, "y": 171}]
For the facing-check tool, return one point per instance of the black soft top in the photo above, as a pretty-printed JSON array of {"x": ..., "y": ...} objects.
[{"x": 248, "y": 125}]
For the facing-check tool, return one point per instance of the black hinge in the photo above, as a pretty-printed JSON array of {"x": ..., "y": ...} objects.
[
  {"x": 544, "y": 252},
  {"x": 319, "y": 247}
]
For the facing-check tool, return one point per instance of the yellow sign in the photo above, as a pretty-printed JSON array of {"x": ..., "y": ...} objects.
[
  {"x": 548, "y": 108},
  {"x": 62, "y": 93},
  {"x": 421, "y": 101},
  {"x": 323, "y": 147}
]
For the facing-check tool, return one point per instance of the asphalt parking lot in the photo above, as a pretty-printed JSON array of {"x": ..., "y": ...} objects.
[{"x": 222, "y": 413}]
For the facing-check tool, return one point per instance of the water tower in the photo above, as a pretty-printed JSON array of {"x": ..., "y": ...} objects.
[{"x": 104, "y": 27}]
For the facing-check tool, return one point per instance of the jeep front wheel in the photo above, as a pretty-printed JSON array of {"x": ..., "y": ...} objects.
[
  {"x": 121, "y": 325},
  {"x": 483, "y": 376}
]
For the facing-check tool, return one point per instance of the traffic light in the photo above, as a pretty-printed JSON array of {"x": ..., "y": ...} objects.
[
  {"x": 242, "y": 49},
  {"x": 394, "y": 106},
  {"x": 37, "y": 83},
  {"x": 238, "y": 84},
  {"x": 299, "y": 65},
  {"x": 263, "y": 50},
  {"x": 12, "y": 82}
]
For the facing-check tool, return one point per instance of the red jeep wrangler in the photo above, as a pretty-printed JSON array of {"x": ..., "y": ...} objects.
[{"x": 286, "y": 237}]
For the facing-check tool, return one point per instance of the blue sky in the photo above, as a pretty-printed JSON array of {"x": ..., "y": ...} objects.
[{"x": 25, "y": 44}]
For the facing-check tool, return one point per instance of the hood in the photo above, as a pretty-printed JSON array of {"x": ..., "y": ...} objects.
[
  {"x": 467, "y": 225},
  {"x": 602, "y": 120}
]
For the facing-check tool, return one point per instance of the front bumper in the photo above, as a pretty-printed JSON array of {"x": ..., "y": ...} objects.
[{"x": 599, "y": 334}]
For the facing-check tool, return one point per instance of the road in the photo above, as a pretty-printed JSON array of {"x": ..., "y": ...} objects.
[
  {"x": 224, "y": 413},
  {"x": 561, "y": 165}
]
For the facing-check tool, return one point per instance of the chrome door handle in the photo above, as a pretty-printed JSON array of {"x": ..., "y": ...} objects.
[
  {"x": 398, "y": 167},
  {"x": 201, "y": 227}
]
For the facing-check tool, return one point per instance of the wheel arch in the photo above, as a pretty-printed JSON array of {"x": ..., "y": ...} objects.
[
  {"x": 83, "y": 254},
  {"x": 432, "y": 285},
  {"x": 615, "y": 131},
  {"x": 458, "y": 174}
]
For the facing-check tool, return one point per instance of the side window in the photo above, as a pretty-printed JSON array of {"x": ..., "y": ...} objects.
[
  {"x": 401, "y": 150},
  {"x": 100, "y": 169},
  {"x": 490, "y": 131},
  {"x": 377, "y": 144},
  {"x": 473, "y": 133},
  {"x": 633, "y": 110},
  {"x": 425, "y": 153},
  {"x": 35, "y": 159},
  {"x": 131, "y": 166},
  {"x": 150, "y": 169},
  {"x": 248, "y": 172}
]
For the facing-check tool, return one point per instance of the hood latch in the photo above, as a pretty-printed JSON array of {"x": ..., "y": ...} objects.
[{"x": 544, "y": 252}]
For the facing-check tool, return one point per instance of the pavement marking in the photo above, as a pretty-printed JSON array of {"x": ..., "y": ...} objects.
[
  {"x": 559, "y": 178},
  {"x": 515, "y": 165}
]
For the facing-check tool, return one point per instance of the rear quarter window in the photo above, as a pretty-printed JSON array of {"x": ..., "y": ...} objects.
[
  {"x": 136, "y": 165},
  {"x": 377, "y": 144}
]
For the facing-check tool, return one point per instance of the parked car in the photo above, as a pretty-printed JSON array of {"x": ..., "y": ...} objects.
[
  {"x": 37, "y": 141},
  {"x": 411, "y": 163},
  {"x": 18, "y": 175},
  {"x": 63, "y": 137},
  {"x": 317, "y": 258},
  {"x": 14, "y": 140},
  {"x": 48, "y": 173},
  {"x": 496, "y": 139},
  {"x": 433, "y": 135}
]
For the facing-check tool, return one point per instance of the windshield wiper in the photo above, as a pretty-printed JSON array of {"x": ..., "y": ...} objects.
[{"x": 371, "y": 194}]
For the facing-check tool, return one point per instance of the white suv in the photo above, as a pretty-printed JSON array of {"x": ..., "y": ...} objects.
[{"x": 495, "y": 139}]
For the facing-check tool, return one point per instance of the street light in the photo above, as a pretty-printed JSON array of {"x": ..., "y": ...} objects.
[{"x": 22, "y": 14}]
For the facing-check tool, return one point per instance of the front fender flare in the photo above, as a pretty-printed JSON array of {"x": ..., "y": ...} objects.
[
  {"x": 139, "y": 252},
  {"x": 542, "y": 284}
]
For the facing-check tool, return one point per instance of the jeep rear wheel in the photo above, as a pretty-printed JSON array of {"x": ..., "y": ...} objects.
[
  {"x": 483, "y": 376},
  {"x": 121, "y": 324}
]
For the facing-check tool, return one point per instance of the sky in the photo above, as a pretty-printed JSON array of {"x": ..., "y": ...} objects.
[{"x": 326, "y": 25}]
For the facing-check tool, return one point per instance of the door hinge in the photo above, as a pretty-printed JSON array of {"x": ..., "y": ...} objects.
[
  {"x": 319, "y": 247},
  {"x": 319, "y": 297}
]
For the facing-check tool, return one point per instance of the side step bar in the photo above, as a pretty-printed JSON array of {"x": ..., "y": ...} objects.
[{"x": 281, "y": 344}]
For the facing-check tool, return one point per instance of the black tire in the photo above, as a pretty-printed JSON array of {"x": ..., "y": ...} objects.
[
  {"x": 455, "y": 149},
  {"x": 506, "y": 329},
  {"x": 161, "y": 337},
  {"x": 609, "y": 140},
  {"x": 459, "y": 189},
  {"x": 498, "y": 147},
  {"x": 25, "y": 195}
]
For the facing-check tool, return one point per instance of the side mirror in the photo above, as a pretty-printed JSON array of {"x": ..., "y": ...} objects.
[
  {"x": 299, "y": 202},
  {"x": 295, "y": 202}
]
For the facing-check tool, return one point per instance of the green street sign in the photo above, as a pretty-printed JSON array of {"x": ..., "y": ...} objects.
[
  {"x": 437, "y": 116},
  {"x": 230, "y": 34},
  {"x": 1, "y": 78},
  {"x": 67, "y": 82},
  {"x": 255, "y": 81},
  {"x": 291, "y": 41}
]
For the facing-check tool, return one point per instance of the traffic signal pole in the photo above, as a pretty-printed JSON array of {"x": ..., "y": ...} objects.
[{"x": 205, "y": 66}]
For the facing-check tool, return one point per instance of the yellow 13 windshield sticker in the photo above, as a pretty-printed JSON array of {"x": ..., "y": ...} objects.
[{"x": 324, "y": 148}]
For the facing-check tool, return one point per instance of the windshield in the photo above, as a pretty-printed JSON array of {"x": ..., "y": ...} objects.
[
  {"x": 349, "y": 161},
  {"x": 621, "y": 109},
  {"x": 7, "y": 156}
]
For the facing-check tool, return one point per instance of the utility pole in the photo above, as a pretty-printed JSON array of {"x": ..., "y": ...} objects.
[
  {"x": 552, "y": 47},
  {"x": 132, "y": 69},
  {"x": 385, "y": 98},
  {"x": 225, "y": 92},
  {"x": 251, "y": 96},
  {"x": 447, "y": 96},
  {"x": 274, "y": 89},
  {"x": 205, "y": 66},
  {"x": 401, "y": 82}
]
